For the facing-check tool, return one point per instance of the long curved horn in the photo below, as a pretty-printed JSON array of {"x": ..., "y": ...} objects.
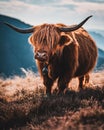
[
  {"x": 30, "y": 30},
  {"x": 68, "y": 29}
]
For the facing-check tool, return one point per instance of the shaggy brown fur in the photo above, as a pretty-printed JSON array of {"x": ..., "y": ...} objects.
[{"x": 71, "y": 54}]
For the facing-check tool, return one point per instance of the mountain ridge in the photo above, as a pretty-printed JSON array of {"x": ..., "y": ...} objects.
[
  {"x": 15, "y": 51},
  {"x": 4, "y": 18},
  {"x": 98, "y": 38}
]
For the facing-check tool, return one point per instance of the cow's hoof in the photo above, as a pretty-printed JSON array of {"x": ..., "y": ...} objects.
[
  {"x": 67, "y": 92},
  {"x": 60, "y": 93},
  {"x": 47, "y": 95}
]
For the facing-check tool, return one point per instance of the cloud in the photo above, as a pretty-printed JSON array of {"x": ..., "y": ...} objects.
[
  {"x": 68, "y": 6},
  {"x": 90, "y": 1},
  {"x": 54, "y": 11},
  {"x": 4, "y": 0},
  {"x": 41, "y": 2}
]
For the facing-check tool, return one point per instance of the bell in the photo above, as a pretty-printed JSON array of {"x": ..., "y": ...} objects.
[{"x": 45, "y": 70}]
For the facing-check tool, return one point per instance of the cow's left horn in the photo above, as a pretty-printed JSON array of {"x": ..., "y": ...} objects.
[
  {"x": 29, "y": 30},
  {"x": 66, "y": 29}
]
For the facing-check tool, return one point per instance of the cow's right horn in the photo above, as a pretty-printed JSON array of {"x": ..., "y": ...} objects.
[
  {"x": 69, "y": 29},
  {"x": 29, "y": 30}
]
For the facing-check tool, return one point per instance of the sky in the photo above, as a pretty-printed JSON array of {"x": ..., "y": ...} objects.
[{"x": 69, "y": 12}]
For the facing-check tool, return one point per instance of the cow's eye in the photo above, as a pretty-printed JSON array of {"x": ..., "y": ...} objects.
[{"x": 64, "y": 39}]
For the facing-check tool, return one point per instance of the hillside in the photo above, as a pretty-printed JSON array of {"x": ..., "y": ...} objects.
[
  {"x": 100, "y": 62},
  {"x": 99, "y": 38},
  {"x": 24, "y": 105},
  {"x": 17, "y": 53}
]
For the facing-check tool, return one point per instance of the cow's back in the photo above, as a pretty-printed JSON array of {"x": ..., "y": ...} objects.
[{"x": 87, "y": 52}]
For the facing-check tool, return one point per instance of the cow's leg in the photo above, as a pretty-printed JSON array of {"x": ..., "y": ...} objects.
[
  {"x": 87, "y": 78},
  {"x": 48, "y": 84},
  {"x": 81, "y": 80},
  {"x": 63, "y": 84}
]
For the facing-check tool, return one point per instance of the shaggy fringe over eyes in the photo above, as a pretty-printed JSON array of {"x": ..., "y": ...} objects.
[{"x": 47, "y": 34}]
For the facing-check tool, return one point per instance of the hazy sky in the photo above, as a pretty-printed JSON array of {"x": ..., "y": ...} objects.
[{"x": 55, "y": 11}]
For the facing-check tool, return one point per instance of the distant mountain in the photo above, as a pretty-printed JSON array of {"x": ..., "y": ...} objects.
[
  {"x": 99, "y": 38},
  {"x": 16, "y": 52},
  {"x": 98, "y": 31},
  {"x": 100, "y": 62}
]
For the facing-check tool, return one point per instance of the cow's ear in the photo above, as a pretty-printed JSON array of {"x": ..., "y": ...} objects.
[
  {"x": 30, "y": 39},
  {"x": 65, "y": 39}
]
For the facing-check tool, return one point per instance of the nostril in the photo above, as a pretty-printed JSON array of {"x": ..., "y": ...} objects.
[
  {"x": 37, "y": 55},
  {"x": 44, "y": 55}
]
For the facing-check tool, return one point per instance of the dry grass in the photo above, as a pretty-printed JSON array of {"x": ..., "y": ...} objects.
[
  {"x": 23, "y": 105},
  {"x": 15, "y": 88}
]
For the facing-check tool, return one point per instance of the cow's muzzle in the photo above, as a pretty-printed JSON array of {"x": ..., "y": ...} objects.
[{"x": 41, "y": 56}]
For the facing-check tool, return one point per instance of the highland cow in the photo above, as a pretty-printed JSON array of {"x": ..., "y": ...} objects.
[{"x": 62, "y": 52}]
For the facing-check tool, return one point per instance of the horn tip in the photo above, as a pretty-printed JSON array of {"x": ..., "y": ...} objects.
[{"x": 90, "y": 16}]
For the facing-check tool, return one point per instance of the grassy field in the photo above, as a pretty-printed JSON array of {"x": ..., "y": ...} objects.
[{"x": 24, "y": 106}]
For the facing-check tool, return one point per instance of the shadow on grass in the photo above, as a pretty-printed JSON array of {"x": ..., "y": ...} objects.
[{"x": 36, "y": 110}]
